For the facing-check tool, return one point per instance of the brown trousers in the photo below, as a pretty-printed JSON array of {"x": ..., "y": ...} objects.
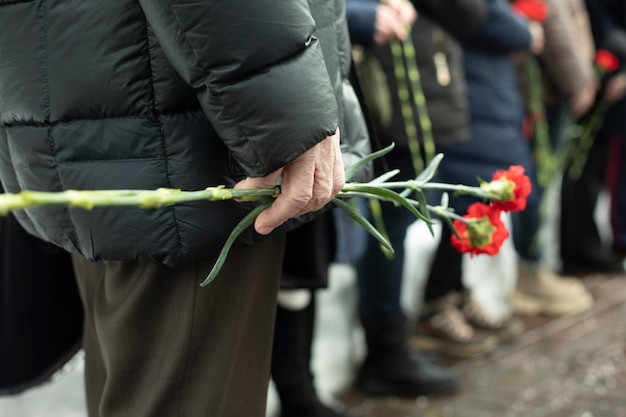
[{"x": 157, "y": 344}]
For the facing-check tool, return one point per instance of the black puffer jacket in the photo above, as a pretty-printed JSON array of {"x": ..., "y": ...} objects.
[{"x": 127, "y": 94}]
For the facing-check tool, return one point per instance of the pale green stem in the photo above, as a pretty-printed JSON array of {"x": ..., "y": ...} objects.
[
  {"x": 88, "y": 199},
  {"x": 587, "y": 137},
  {"x": 406, "y": 109},
  {"x": 544, "y": 155}
]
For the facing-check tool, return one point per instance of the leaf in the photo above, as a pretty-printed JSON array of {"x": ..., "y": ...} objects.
[
  {"x": 429, "y": 172},
  {"x": 386, "y": 176},
  {"x": 358, "y": 217},
  {"x": 452, "y": 228},
  {"x": 241, "y": 226},
  {"x": 389, "y": 195},
  {"x": 351, "y": 171}
]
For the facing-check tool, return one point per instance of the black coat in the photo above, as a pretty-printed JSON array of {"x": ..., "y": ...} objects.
[{"x": 127, "y": 94}]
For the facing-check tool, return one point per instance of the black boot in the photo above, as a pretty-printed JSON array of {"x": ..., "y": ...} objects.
[
  {"x": 392, "y": 367},
  {"x": 291, "y": 360}
]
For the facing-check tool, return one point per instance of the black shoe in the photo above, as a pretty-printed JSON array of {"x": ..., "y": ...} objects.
[
  {"x": 392, "y": 368},
  {"x": 600, "y": 261},
  {"x": 418, "y": 377},
  {"x": 318, "y": 410}
]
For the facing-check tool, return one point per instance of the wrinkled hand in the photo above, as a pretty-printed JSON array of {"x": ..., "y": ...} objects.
[
  {"x": 308, "y": 184},
  {"x": 615, "y": 88},
  {"x": 537, "y": 37},
  {"x": 391, "y": 23},
  {"x": 583, "y": 99}
]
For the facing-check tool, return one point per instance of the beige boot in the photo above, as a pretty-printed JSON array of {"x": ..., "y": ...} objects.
[{"x": 540, "y": 291}]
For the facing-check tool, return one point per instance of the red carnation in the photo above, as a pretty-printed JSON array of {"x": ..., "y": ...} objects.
[
  {"x": 482, "y": 231},
  {"x": 606, "y": 61},
  {"x": 512, "y": 185},
  {"x": 535, "y": 10}
]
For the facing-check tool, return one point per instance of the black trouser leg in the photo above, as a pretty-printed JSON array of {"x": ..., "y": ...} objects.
[
  {"x": 578, "y": 231},
  {"x": 291, "y": 357},
  {"x": 446, "y": 270}
]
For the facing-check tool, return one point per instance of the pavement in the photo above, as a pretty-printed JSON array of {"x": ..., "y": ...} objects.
[{"x": 564, "y": 367}]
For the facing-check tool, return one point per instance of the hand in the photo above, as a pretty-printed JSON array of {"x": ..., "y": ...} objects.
[
  {"x": 615, "y": 88},
  {"x": 537, "y": 37},
  {"x": 583, "y": 99},
  {"x": 308, "y": 184},
  {"x": 405, "y": 10},
  {"x": 388, "y": 25}
]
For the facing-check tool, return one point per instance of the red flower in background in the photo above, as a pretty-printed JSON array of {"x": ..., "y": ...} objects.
[
  {"x": 606, "y": 61},
  {"x": 535, "y": 10},
  {"x": 482, "y": 231}
]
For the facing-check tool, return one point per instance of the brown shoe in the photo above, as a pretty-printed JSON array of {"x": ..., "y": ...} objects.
[
  {"x": 540, "y": 291},
  {"x": 443, "y": 328},
  {"x": 506, "y": 329}
]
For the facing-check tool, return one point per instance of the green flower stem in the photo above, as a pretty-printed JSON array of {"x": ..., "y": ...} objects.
[
  {"x": 546, "y": 160},
  {"x": 88, "y": 199},
  {"x": 419, "y": 98},
  {"x": 587, "y": 137},
  {"x": 351, "y": 188},
  {"x": 406, "y": 109}
]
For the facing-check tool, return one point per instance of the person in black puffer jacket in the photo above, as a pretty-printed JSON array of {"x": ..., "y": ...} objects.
[{"x": 129, "y": 94}]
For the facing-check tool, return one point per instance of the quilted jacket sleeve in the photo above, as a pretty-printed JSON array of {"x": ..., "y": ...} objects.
[{"x": 258, "y": 70}]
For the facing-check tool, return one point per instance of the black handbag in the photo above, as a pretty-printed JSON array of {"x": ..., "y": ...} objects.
[{"x": 40, "y": 309}]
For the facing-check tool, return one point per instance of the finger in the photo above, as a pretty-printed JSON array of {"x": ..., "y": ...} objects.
[
  {"x": 339, "y": 172},
  {"x": 329, "y": 175},
  {"x": 322, "y": 186},
  {"x": 296, "y": 192},
  {"x": 408, "y": 12}
]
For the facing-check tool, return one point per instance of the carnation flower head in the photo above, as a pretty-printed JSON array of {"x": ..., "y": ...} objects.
[
  {"x": 512, "y": 187},
  {"x": 536, "y": 10},
  {"x": 482, "y": 231},
  {"x": 606, "y": 61}
]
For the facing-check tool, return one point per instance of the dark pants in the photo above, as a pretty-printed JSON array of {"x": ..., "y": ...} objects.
[
  {"x": 158, "y": 344},
  {"x": 617, "y": 185},
  {"x": 579, "y": 233},
  {"x": 291, "y": 358},
  {"x": 380, "y": 278}
]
